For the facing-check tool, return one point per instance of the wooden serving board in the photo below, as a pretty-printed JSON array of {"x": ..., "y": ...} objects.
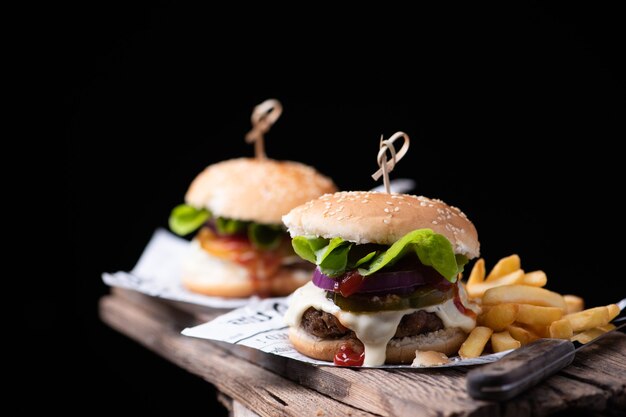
[{"x": 271, "y": 385}]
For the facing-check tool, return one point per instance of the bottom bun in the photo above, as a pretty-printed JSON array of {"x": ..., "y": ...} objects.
[
  {"x": 210, "y": 275},
  {"x": 399, "y": 350},
  {"x": 286, "y": 281}
]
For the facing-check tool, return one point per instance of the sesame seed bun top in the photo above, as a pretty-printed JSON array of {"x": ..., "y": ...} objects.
[
  {"x": 256, "y": 190},
  {"x": 374, "y": 217}
]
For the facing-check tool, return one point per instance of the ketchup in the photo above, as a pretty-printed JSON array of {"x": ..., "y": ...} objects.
[
  {"x": 349, "y": 283},
  {"x": 347, "y": 356},
  {"x": 459, "y": 305}
]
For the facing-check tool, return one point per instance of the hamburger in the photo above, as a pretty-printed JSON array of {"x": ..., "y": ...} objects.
[
  {"x": 241, "y": 247},
  {"x": 386, "y": 278}
]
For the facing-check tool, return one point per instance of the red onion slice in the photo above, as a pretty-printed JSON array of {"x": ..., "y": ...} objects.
[{"x": 378, "y": 282}]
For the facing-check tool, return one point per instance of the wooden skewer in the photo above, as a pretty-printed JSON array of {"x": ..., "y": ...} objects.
[
  {"x": 263, "y": 117},
  {"x": 387, "y": 165}
]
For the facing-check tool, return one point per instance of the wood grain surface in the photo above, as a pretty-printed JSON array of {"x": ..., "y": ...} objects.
[{"x": 271, "y": 385}]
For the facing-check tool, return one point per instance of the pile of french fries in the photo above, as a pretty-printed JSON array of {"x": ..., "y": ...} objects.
[{"x": 516, "y": 310}]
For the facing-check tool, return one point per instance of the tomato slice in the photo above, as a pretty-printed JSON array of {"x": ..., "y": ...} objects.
[
  {"x": 349, "y": 284},
  {"x": 261, "y": 264},
  {"x": 227, "y": 247}
]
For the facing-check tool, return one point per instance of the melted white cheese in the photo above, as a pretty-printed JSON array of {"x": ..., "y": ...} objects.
[{"x": 374, "y": 330}]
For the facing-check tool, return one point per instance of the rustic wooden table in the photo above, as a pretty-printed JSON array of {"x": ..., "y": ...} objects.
[{"x": 270, "y": 385}]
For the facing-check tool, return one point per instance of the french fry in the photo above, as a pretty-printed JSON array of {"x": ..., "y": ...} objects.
[
  {"x": 499, "y": 317},
  {"x": 588, "y": 335},
  {"x": 535, "y": 278},
  {"x": 574, "y": 303},
  {"x": 504, "y": 267},
  {"x": 537, "y": 315},
  {"x": 475, "y": 343},
  {"x": 588, "y": 319},
  {"x": 503, "y": 341},
  {"x": 607, "y": 328},
  {"x": 523, "y": 335},
  {"x": 478, "y": 272},
  {"x": 517, "y": 310},
  {"x": 540, "y": 331},
  {"x": 613, "y": 311},
  {"x": 523, "y": 294},
  {"x": 561, "y": 329},
  {"x": 479, "y": 289}
]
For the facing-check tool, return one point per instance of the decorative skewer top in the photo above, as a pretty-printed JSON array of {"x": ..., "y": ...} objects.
[
  {"x": 263, "y": 117},
  {"x": 387, "y": 165}
]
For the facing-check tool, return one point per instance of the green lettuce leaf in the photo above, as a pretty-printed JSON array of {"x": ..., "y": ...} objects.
[
  {"x": 333, "y": 258},
  {"x": 461, "y": 261},
  {"x": 364, "y": 259},
  {"x": 185, "y": 219},
  {"x": 265, "y": 236},
  {"x": 229, "y": 226},
  {"x": 431, "y": 248},
  {"x": 306, "y": 247},
  {"x": 330, "y": 255},
  {"x": 326, "y": 253}
]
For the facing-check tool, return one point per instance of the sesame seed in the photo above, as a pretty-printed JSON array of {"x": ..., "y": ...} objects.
[
  {"x": 390, "y": 215},
  {"x": 423, "y": 204},
  {"x": 386, "y": 210},
  {"x": 386, "y": 221},
  {"x": 434, "y": 221},
  {"x": 389, "y": 202},
  {"x": 364, "y": 201},
  {"x": 396, "y": 209}
]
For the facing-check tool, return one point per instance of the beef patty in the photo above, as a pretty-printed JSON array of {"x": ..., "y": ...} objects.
[{"x": 325, "y": 325}]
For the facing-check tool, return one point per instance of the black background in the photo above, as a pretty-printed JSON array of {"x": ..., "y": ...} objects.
[{"x": 514, "y": 115}]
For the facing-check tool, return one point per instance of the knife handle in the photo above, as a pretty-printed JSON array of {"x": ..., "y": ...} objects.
[{"x": 520, "y": 369}]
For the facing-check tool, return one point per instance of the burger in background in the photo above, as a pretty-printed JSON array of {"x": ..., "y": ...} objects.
[{"x": 242, "y": 248}]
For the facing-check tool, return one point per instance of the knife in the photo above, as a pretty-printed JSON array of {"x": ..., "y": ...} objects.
[{"x": 527, "y": 366}]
